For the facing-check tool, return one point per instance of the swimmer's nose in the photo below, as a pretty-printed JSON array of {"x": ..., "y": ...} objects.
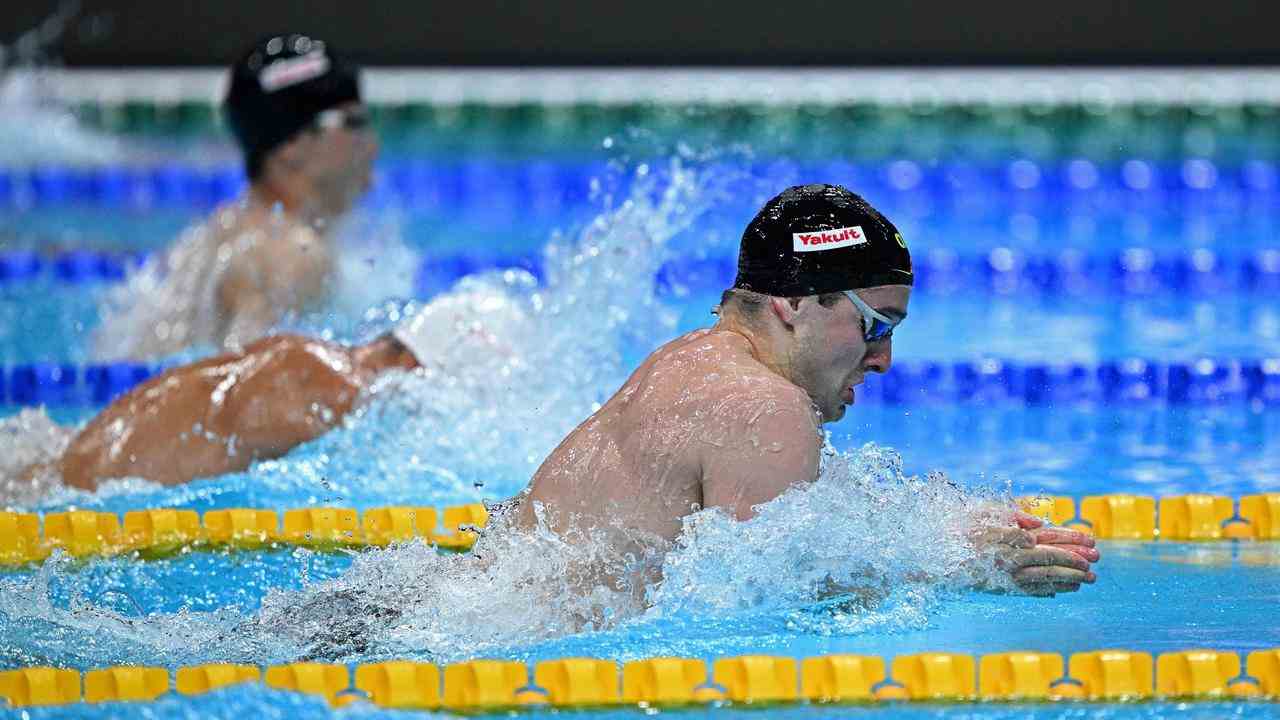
[{"x": 879, "y": 356}]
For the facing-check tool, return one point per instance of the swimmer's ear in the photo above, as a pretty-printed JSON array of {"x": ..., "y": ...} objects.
[{"x": 785, "y": 309}]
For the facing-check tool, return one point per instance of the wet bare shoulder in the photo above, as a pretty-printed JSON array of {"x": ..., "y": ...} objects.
[
  {"x": 761, "y": 436},
  {"x": 732, "y": 371},
  {"x": 734, "y": 392}
]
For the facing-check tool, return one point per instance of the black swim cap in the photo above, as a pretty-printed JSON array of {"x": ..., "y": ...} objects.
[
  {"x": 279, "y": 86},
  {"x": 816, "y": 239}
]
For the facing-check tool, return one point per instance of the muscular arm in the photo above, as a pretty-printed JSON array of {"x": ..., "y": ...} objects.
[
  {"x": 778, "y": 447},
  {"x": 217, "y": 415}
]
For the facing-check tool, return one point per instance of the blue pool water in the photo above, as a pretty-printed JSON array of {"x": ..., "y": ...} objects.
[{"x": 457, "y": 437}]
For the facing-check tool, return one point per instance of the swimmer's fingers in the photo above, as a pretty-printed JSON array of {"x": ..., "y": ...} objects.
[
  {"x": 1088, "y": 553},
  {"x": 1062, "y": 536},
  {"x": 1011, "y": 537},
  {"x": 1048, "y": 580},
  {"x": 1026, "y": 521},
  {"x": 1070, "y": 540},
  {"x": 1053, "y": 575},
  {"x": 1046, "y": 556}
]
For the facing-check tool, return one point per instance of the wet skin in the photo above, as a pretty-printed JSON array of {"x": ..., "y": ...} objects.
[
  {"x": 729, "y": 417},
  {"x": 280, "y": 254},
  {"x": 221, "y": 414},
  {"x": 272, "y": 249}
]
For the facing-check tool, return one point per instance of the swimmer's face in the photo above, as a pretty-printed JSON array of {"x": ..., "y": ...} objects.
[
  {"x": 340, "y": 155},
  {"x": 829, "y": 357}
]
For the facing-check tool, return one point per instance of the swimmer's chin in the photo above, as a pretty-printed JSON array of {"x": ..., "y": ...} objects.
[
  {"x": 836, "y": 414},
  {"x": 847, "y": 399}
]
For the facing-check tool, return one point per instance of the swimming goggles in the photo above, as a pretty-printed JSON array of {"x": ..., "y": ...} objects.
[
  {"x": 337, "y": 118},
  {"x": 875, "y": 326}
]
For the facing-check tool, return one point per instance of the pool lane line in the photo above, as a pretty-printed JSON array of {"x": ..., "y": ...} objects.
[
  {"x": 28, "y": 538},
  {"x": 545, "y": 188},
  {"x": 1113, "y": 675},
  {"x": 1130, "y": 382},
  {"x": 999, "y": 271}
]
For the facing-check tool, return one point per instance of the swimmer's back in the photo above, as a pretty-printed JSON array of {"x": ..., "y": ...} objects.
[
  {"x": 223, "y": 284},
  {"x": 216, "y": 416}
]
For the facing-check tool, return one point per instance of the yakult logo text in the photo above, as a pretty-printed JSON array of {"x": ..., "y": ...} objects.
[
  {"x": 828, "y": 239},
  {"x": 291, "y": 71}
]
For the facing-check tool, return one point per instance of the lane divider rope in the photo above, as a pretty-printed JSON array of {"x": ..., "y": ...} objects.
[
  {"x": 1128, "y": 383},
  {"x": 1203, "y": 184},
  {"x": 28, "y": 538},
  {"x": 488, "y": 685},
  {"x": 1129, "y": 272}
]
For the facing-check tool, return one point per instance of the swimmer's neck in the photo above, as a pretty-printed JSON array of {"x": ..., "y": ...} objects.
[
  {"x": 760, "y": 344},
  {"x": 294, "y": 198}
]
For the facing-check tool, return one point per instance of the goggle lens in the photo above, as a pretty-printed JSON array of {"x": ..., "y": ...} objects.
[
  {"x": 348, "y": 119},
  {"x": 875, "y": 327},
  {"x": 877, "y": 330}
]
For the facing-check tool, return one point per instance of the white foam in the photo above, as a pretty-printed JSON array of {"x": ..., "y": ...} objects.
[
  {"x": 488, "y": 416},
  {"x": 879, "y": 550},
  {"x": 28, "y": 442}
]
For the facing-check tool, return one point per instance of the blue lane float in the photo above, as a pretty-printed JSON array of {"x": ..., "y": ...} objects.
[
  {"x": 68, "y": 385},
  {"x": 20, "y": 266},
  {"x": 418, "y": 182},
  {"x": 73, "y": 267},
  {"x": 104, "y": 382},
  {"x": 43, "y": 384},
  {"x": 1132, "y": 382},
  {"x": 1128, "y": 382},
  {"x": 1001, "y": 271},
  {"x": 121, "y": 186}
]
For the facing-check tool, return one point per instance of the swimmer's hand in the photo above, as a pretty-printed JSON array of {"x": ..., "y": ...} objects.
[{"x": 1041, "y": 561}]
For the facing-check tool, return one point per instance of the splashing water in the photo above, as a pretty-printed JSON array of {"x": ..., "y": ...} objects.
[
  {"x": 171, "y": 307},
  {"x": 28, "y": 440},
  {"x": 881, "y": 547},
  {"x": 862, "y": 531},
  {"x": 33, "y": 131},
  {"x": 862, "y": 549},
  {"x": 486, "y": 415},
  {"x": 33, "y": 128}
]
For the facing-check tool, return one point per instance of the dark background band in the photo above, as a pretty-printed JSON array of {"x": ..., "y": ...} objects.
[{"x": 669, "y": 32}]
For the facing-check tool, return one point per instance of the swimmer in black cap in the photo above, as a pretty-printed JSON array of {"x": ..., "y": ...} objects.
[
  {"x": 727, "y": 417},
  {"x": 294, "y": 106},
  {"x": 730, "y": 416}
]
